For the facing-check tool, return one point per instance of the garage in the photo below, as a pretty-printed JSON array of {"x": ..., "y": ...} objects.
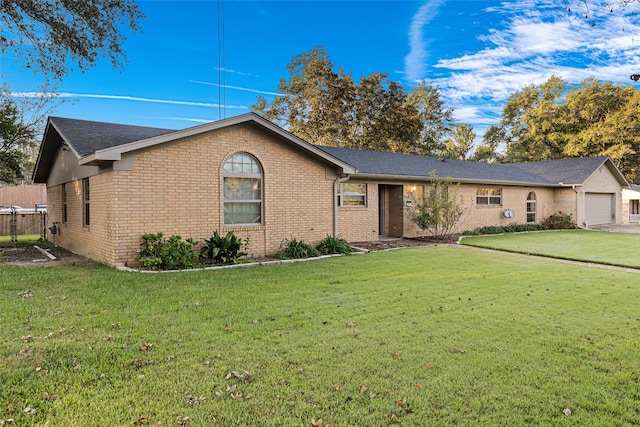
[{"x": 599, "y": 208}]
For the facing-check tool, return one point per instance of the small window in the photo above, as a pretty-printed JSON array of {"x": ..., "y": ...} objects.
[
  {"x": 242, "y": 193},
  {"x": 86, "y": 204},
  {"x": 352, "y": 195},
  {"x": 64, "y": 203},
  {"x": 489, "y": 197},
  {"x": 531, "y": 208}
]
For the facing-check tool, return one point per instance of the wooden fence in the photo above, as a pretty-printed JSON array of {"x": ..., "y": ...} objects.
[{"x": 26, "y": 196}]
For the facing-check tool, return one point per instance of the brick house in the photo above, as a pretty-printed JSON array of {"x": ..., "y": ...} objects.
[{"x": 107, "y": 184}]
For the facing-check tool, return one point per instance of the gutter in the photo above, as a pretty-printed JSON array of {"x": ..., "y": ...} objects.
[
  {"x": 339, "y": 180},
  {"x": 422, "y": 178}
]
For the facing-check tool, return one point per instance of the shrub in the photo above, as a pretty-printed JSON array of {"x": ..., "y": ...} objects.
[
  {"x": 334, "y": 245},
  {"x": 511, "y": 228},
  {"x": 296, "y": 249},
  {"x": 518, "y": 228},
  {"x": 559, "y": 221},
  {"x": 440, "y": 210},
  {"x": 490, "y": 229},
  {"x": 222, "y": 250},
  {"x": 159, "y": 253}
]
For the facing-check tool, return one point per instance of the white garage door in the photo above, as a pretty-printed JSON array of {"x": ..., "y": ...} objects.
[{"x": 599, "y": 208}]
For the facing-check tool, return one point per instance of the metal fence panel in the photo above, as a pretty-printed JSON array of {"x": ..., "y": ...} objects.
[{"x": 16, "y": 224}]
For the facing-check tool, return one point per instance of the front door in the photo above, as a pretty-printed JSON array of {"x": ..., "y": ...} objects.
[{"x": 390, "y": 210}]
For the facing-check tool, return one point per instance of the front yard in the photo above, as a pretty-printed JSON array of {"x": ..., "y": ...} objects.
[
  {"x": 437, "y": 335},
  {"x": 619, "y": 249}
]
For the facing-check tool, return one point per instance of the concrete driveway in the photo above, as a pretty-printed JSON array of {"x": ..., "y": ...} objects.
[{"x": 620, "y": 228}]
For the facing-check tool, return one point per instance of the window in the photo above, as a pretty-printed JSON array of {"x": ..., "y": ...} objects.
[
  {"x": 64, "y": 203},
  {"x": 86, "y": 204},
  {"x": 531, "y": 208},
  {"x": 352, "y": 195},
  {"x": 242, "y": 176},
  {"x": 489, "y": 197}
]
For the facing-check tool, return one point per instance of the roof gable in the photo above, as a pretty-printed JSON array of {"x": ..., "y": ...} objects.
[
  {"x": 98, "y": 143},
  {"x": 573, "y": 171}
]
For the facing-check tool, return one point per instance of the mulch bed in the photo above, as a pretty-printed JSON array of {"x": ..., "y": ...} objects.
[
  {"x": 25, "y": 254},
  {"x": 381, "y": 245}
]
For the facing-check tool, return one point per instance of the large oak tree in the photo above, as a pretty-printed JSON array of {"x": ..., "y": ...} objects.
[
  {"x": 553, "y": 121},
  {"x": 328, "y": 107},
  {"x": 49, "y": 35},
  {"x": 52, "y": 37}
]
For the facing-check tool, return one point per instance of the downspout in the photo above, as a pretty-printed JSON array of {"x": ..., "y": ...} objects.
[{"x": 339, "y": 180}]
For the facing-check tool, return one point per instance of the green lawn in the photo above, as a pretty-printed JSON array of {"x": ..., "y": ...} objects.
[
  {"x": 20, "y": 238},
  {"x": 443, "y": 335},
  {"x": 621, "y": 249}
]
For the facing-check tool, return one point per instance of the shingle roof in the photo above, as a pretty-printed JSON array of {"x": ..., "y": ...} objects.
[
  {"x": 568, "y": 171},
  {"x": 86, "y": 137}
]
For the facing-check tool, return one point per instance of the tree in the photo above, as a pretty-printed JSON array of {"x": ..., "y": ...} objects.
[
  {"x": 46, "y": 34},
  {"x": 603, "y": 121},
  {"x": 527, "y": 128},
  {"x": 436, "y": 119},
  {"x": 459, "y": 142},
  {"x": 383, "y": 120},
  {"x": 20, "y": 123},
  {"x": 15, "y": 140},
  {"x": 328, "y": 108},
  {"x": 439, "y": 210},
  {"x": 548, "y": 122},
  {"x": 316, "y": 105}
]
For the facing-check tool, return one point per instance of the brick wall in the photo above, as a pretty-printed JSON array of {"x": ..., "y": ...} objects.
[
  {"x": 176, "y": 189},
  {"x": 360, "y": 224},
  {"x": 474, "y": 216}
]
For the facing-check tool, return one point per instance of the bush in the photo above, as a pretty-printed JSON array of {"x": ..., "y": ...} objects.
[
  {"x": 490, "y": 229},
  {"x": 518, "y": 228},
  {"x": 222, "y": 250},
  {"x": 559, "y": 221},
  {"x": 334, "y": 245},
  {"x": 292, "y": 249},
  {"x": 158, "y": 253},
  {"x": 511, "y": 228}
]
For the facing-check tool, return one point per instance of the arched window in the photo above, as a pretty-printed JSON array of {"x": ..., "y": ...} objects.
[
  {"x": 531, "y": 208},
  {"x": 242, "y": 192}
]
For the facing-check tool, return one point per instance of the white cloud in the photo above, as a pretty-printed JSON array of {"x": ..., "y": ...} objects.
[
  {"x": 415, "y": 62},
  {"x": 533, "y": 40}
]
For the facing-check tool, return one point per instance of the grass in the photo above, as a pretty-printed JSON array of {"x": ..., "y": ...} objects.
[
  {"x": 619, "y": 249},
  {"x": 21, "y": 238},
  {"x": 418, "y": 336}
]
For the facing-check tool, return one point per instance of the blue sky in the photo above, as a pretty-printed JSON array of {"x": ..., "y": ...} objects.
[{"x": 477, "y": 52}]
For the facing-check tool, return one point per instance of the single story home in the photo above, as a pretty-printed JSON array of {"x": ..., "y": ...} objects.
[{"x": 107, "y": 184}]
